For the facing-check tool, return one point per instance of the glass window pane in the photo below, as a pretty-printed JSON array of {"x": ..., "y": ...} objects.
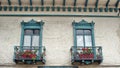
[
  {"x": 88, "y": 41},
  {"x": 80, "y": 41},
  {"x": 87, "y": 32},
  {"x": 31, "y": 36},
  {"x": 79, "y": 32},
  {"x": 36, "y": 32},
  {"x": 27, "y": 40},
  {"x": 28, "y": 32},
  {"x": 35, "y": 41}
]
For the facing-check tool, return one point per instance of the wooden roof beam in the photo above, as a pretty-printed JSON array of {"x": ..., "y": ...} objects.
[
  {"x": 74, "y": 2},
  {"x": 9, "y": 2},
  {"x": 117, "y": 3},
  {"x": 86, "y": 3},
  {"x": 19, "y": 2},
  {"x": 64, "y": 2},
  {"x": 53, "y": 3},
  {"x": 42, "y": 2},
  {"x": 96, "y": 4},
  {"x": 107, "y": 3},
  {"x": 31, "y": 2}
]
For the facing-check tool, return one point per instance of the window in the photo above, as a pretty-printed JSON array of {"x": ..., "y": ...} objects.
[
  {"x": 31, "y": 37},
  {"x": 84, "y": 37},
  {"x": 84, "y": 49},
  {"x": 31, "y": 33},
  {"x": 30, "y": 49}
]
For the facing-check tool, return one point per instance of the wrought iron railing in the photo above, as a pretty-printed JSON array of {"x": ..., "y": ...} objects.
[
  {"x": 79, "y": 53},
  {"x": 33, "y": 53}
]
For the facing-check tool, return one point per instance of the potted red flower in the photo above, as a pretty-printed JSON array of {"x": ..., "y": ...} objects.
[
  {"x": 86, "y": 53},
  {"x": 29, "y": 54}
]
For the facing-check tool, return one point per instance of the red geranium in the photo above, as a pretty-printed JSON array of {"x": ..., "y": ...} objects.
[{"x": 29, "y": 54}]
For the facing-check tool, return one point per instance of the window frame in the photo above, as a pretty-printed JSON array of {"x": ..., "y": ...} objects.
[
  {"x": 79, "y": 53},
  {"x": 85, "y": 26},
  {"x": 31, "y": 25}
]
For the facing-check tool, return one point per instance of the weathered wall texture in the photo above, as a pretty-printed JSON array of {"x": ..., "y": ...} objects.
[{"x": 58, "y": 38}]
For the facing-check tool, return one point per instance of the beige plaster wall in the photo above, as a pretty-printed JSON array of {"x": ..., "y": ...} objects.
[{"x": 58, "y": 38}]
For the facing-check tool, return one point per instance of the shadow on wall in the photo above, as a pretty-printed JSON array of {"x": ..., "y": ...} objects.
[{"x": 118, "y": 34}]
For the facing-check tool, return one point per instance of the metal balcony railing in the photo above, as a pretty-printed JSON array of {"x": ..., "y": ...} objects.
[
  {"x": 29, "y": 54},
  {"x": 83, "y": 54}
]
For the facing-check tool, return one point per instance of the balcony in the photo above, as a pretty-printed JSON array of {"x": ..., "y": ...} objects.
[
  {"x": 29, "y": 54},
  {"x": 86, "y": 55}
]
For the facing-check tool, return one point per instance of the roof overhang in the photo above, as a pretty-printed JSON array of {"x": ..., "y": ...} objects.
[{"x": 61, "y": 5}]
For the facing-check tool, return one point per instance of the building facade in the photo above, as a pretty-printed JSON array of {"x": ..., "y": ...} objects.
[{"x": 57, "y": 35}]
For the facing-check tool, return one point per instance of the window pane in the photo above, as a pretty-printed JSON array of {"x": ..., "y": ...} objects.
[
  {"x": 35, "y": 41},
  {"x": 80, "y": 41},
  {"x": 79, "y": 32},
  {"x": 88, "y": 41},
  {"x": 36, "y": 32},
  {"x": 28, "y": 32},
  {"x": 31, "y": 36},
  {"x": 27, "y": 40},
  {"x": 87, "y": 32}
]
